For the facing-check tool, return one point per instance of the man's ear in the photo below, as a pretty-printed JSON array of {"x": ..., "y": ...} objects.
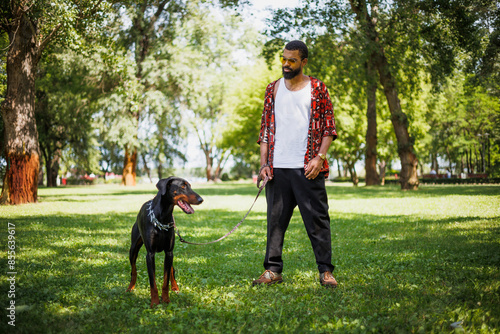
[{"x": 163, "y": 185}]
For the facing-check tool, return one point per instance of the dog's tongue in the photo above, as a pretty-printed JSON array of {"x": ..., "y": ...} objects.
[{"x": 185, "y": 207}]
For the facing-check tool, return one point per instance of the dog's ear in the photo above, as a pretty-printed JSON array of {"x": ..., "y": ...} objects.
[{"x": 163, "y": 185}]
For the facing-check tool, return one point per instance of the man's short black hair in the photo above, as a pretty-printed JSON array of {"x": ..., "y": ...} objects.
[{"x": 298, "y": 45}]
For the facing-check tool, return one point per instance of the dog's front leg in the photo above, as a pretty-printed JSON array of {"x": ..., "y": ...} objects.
[
  {"x": 167, "y": 269},
  {"x": 173, "y": 283},
  {"x": 150, "y": 262}
]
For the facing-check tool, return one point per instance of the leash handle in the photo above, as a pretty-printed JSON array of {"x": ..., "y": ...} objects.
[{"x": 234, "y": 228}]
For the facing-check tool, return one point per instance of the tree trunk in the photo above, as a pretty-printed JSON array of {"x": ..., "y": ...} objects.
[
  {"x": 470, "y": 169},
  {"x": 466, "y": 165},
  {"x": 18, "y": 112},
  {"x": 40, "y": 176},
  {"x": 409, "y": 176},
  {"x": 217, "y": 175},
  {"x": 144, "y": 25},
  {"x": 223, "y": 157},
  {"x": 52, "y": 167},
  {"x": 450, "y": 166},
  {"x": 381, "y": 167},
  {"x": 129, "y": 163},
  {"x": 488, "y": 154},
  {"x": 51, "y": 159},
  {"x": 435, "y": 163},
  {"x": 209, "y": 168},
  {"x": 372, "y": 177},
  {"x": 160, "y": 170},
  {"x": 461, "y": 164},
  {"x": 409, "y": 162},
  {"x": 354, "y": 175},
  {"x": 148, "y": 171},
  {"x": 478, "y": 158}
]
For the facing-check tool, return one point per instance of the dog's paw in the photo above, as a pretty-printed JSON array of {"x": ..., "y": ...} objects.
[{"x": 155, "y": 300}]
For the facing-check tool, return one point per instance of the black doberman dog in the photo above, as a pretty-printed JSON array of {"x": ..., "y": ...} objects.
[{"x": 154, "y": 228}]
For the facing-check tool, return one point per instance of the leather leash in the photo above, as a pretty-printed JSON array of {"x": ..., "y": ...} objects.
[{"x": 234, "y": 228}]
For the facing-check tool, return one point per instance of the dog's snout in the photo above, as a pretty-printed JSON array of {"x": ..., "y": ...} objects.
[{"x": 200, "y": 199}]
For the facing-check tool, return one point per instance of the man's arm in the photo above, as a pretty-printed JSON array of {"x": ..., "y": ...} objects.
[{"x": 264, "y": 153}]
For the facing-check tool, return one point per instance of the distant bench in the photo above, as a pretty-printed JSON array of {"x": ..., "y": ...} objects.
[
  {"x": 459, "y": 179},
  {"x": 443, "y": 176}
]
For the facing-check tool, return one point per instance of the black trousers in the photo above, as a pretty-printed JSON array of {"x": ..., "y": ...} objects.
[{"x": 290, "y": 188}]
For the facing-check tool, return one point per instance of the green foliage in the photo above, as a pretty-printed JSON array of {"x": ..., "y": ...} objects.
[
  {"x": 49, "y": 23},
  {"x": 405, "y": 262},
  {"x": 152, "y": 65},
  {"x": 139, "y": 106},
  {"x": 61, "y": 22},
  {"x": 417, "y": 109},
  {"x": 210, "y": 59},
  {"x": 351, "y": 125},
  {"x": 244, "y": 106},
  {"x": 436, "y": 36},
  {"x": 175, "y": 58},
  {"x": 387, "y": 143},
  {"x": 453, "y": 27},
  {"x": 64, "y": 110},
  {"x": 463, "y": 121}
]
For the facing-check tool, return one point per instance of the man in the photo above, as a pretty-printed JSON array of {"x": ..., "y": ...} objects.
[{"x": 297, "y": 129}]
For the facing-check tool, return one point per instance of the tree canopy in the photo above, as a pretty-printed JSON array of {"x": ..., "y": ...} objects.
[{"x": 120, "y": 84}]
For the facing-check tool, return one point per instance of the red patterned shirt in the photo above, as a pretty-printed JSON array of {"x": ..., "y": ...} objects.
[{"x": 321, "y": 124}]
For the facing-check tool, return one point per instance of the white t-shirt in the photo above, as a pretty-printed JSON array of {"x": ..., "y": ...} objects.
[{"x": 292, "y": 111}]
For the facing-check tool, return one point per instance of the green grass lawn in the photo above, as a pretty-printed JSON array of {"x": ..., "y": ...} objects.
[{"x": 405, "y": 262}]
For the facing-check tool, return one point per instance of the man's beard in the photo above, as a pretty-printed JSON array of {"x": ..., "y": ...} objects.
[{"x": 290, "y": 75}]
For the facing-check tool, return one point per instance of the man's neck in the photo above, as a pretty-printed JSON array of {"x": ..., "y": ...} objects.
[{"x": 297, "y": 83}]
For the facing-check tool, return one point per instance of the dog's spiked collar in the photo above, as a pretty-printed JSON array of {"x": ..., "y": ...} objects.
[{"x": 155, "y": 221}]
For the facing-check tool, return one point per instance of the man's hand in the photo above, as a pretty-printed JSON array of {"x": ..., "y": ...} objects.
[
  {"x": 266, "y": 171},
  {"x": 313, "y": 167}
]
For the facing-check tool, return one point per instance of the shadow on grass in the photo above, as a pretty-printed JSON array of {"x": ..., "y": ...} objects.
[
  {"x": 73, "y": 272},
  {"x": 92, "y": 197}
]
